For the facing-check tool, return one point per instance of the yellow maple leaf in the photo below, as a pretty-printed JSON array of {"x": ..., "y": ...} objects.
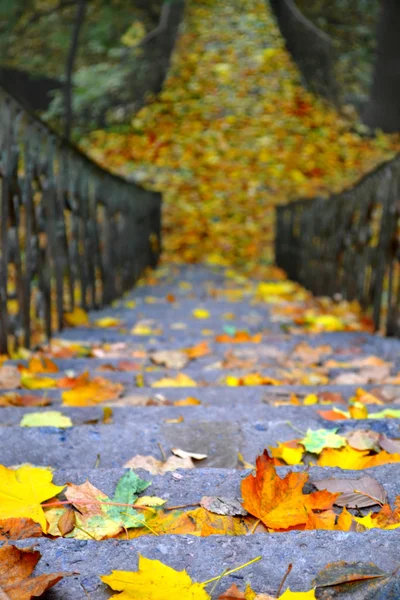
[
  {"x": 23, "y": 490},
  {"x": 33, "y": 382},
  {"x": 154, "y": 581},
  {"x": 289, "y": 595},
  {"x": 181, "y": 380}
]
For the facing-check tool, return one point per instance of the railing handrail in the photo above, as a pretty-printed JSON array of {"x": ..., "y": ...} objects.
[
  {"x": 348, "y": 243},
  {"x": 65, "y": 222}
]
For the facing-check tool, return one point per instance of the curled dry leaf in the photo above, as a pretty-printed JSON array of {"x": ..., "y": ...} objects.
[
  {"x": 223, "y": 506},
  {"x": 391, "y": 446},
  {"x": 157, "y": 467},
  {"x": 362, "y": 439},
  {"x": 354, "y": 493},
  {"x": 356, "y": 581},
  {"x": 16, "y": 568},
  {"x": 172, "y": 359},
  {"x": 185, "y": 454},
  {"x": 66, "y": 522}
]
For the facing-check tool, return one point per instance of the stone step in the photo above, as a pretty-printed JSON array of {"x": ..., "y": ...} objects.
[
  {"x": 193, "y": 484},
  {"x": 241, "y": 410},
  {"x": 112, "y": 445},
  {"x": 205, "y": 558},
  {"x": 224, "y": 396}
]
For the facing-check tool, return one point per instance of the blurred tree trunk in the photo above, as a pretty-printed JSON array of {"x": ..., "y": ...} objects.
[
  {"x": 383, "y": 108},
  {"x": 73, "y": 50}
]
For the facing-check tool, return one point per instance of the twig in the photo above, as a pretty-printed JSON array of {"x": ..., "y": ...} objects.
[
  {"x": 290, "y": 567},
  {"x": 232, "y": 571},
  {"x": 295, "y": 428},
  {"x": 164, "y": 456},
  {"x": 181, "y": 506}
]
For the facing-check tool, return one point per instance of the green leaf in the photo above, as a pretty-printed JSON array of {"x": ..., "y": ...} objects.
[
  {"x": 127, "y": 491},
  {"x": 50, "y": 418},
  {"x": 390, "y": 413},
  {"x": 315, "y": 441}
]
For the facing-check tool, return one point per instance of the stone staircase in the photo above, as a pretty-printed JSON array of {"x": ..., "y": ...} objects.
[{"x": 230, "y": 421}]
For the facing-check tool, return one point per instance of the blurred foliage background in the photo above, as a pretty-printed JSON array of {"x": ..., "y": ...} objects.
[{"x": 351, "y": 24}]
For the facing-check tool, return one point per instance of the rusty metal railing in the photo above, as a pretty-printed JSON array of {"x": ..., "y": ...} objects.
[
  {"x": 70, "y": 232},
  {"x": 348, "y": 244}
]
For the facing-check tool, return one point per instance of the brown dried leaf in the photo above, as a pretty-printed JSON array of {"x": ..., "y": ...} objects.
[
  {"x": 362, "y": 439},
  {"x": 19, "y": 529},
  {"x": 16, "y": 567},
  {"x": 223, "y": 506},
  {"x": 157, "y": 467},
  {"x": 391, "y": 446},
  {"x": 369, "y": 487},
  {"x": 66, "y": 522},
  {"x": 15, "y": 399},
  {"x": 356, "y": 581}
]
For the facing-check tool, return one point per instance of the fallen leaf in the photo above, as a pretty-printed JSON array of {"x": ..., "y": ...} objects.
[
  {"x": 151, "y": 501},
  {"x": 16, "y": 568},
  {"x": 154, "y": 581},
  {"x": 223, "y": 506},
  {"x": 391, "y": 446},
  {"x": 23, "y": 490},
  {"x": 201, "y": 313},
  {"x": 185, "y": 454},
  {"x": 50, "y": 418},
  {"x": 39, "y": 364},
  {"x": 67, "y": 522},
  {"x": 280, "y": 503},
  {"x": 233, "y": 593},
  {"x": 25, "y": 400},
  {"x": 19, "y": 529},
  {"x": 358, "y": 581},
  {"x": 77, "y": 318},
  {"x": 10, "y": 377},
  {"x": 172, "y": 359},
  {"x": 94, "y": 392},
  {"x": 35, "y": 382},
  {"x": 108, "y": 322},
  {"x": 158, "y": 467},
  {"x": 354, "y": 493},
  {"x": 189, "y": 401},
  {"x": 238, "y": 338},
  {"x": 316, "y": 440},
  {"x": 201, "y": 349},
  {"x": 181, "y": 380},
  {"x": 362, "y": 439},
  {"x": 349, "y": 458}
]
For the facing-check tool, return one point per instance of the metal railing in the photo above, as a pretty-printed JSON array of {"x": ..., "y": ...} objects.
[
  {"x": 348, "y": 244},
  {"x": 69, "y": 230}
]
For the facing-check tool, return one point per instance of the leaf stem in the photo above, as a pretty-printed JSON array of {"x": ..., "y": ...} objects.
[
  {"x": 290, "y": 567},
  {"x": 232, "y": 571}
]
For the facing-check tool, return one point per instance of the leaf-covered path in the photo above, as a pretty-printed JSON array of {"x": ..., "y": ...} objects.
[
  {"x": 233, "y": 134},
  {"x": 196, "y": 360}
]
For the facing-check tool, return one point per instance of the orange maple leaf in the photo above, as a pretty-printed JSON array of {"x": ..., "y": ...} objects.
[{"x": 280, "y": 503}]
